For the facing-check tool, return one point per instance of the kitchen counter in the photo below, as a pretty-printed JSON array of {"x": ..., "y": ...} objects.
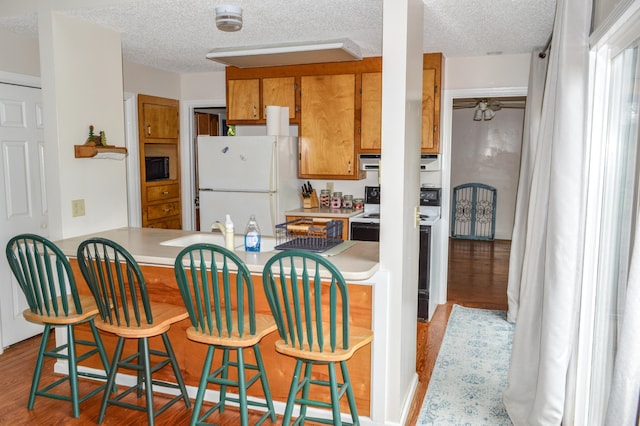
[
  {"x": 161, "y": 246},
  {"x": 324, "y": 212},
  {"x": 156, "y": 250}
]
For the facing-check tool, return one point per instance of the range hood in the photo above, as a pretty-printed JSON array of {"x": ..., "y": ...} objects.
[
  {"x": 428, "y": 162},
  {"x": 269, "y": 55}
]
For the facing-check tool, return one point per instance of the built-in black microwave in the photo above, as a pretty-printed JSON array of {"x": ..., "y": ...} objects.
[{"x": 156, "y": 168}]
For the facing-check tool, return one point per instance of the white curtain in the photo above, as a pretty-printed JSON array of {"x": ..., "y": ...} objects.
[
  {"x": 545, "y": 285},
  {"x": 624, "y": 399}
]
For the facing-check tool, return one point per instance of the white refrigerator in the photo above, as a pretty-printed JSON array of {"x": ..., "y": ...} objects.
[{"x": 244, "y": 175}]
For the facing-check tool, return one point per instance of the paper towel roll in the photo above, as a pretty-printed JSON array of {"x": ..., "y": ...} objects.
[{"x": 273, "y": 120}]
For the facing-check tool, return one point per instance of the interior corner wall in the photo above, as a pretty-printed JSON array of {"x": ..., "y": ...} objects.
[
  {"x": 84, "y": 67},
  {"x": 19, "y": 54},
  {"x": 145, "y": 80}
]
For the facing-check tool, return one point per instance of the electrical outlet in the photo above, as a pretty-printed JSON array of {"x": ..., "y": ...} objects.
[
  {"x": 77, "y": 208},
  {"x": 330, "y": 187}
]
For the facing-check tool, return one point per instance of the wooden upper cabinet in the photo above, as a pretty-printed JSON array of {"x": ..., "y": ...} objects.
[
  {"x": 327, "y": 127},
  {"x": 243, "y": 99},
  {"x": 159, "y": 118},
  {"x": 431, "y": 87},
  {"x": 279, "y": 91},
  {"x": 371, "y": 112}
]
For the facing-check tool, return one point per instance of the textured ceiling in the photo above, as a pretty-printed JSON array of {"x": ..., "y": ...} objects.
[{"x": 175, "y": 35}]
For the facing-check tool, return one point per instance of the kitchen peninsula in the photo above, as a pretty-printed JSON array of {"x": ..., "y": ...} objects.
[{"x": 156, "y": 249}]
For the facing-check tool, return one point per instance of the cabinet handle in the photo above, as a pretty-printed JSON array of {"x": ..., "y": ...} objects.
[
  {"x": 148, "y": 130},
  {"x": 165, "y": 192},
  {"x": 349, "y": 167},
  {"x": 254, "y": 111},
  {"x": 166, "y": 210}
]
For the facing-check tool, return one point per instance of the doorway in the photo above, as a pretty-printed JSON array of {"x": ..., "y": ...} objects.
[{"x": 449, "y": 156}]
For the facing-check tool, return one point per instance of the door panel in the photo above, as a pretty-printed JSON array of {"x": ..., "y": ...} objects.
[{"x": 23, "y": 203}]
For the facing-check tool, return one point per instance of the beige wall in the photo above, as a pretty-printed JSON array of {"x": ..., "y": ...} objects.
[
  {"x": 78, "y": 92},
  {"x": 491, "y": 71},
  {"x": 19, "y": 54},
  {"x": 150, "y": 81},
  {"x": 210, "y": 86}
]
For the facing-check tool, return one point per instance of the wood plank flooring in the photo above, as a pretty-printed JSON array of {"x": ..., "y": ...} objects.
[{"x": 477, "y": 278}]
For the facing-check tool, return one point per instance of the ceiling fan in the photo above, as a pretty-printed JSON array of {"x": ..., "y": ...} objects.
[{"x": 486, "y": 107}]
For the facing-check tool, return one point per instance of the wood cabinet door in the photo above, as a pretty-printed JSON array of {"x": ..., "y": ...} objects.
[
  {"x": 327, "y": 124},
  {"x": 431, "y": 87},
  {"x": 243, "y": 99},
  {"x": 280, "y": 91},
  {"x": 371, "y": 112},
  {"x": 160, "y": 117}
]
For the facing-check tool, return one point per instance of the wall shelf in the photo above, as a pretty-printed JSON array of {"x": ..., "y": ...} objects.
[{"x": 91, "y": 150}]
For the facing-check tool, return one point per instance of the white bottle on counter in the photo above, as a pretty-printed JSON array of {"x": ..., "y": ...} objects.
[
  {"x": 229, "y": 242},
  {"x": 252, "y": 235}
]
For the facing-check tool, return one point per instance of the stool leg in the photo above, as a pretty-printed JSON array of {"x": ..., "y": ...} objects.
[
  {"x": 35, "y": 382},
  {"x": 305, "y": 389},
  {"x": 176, "y": 369},
  {"x": 242, "y": 389},
  {"x": 264, "y": 382},
  {"x": 101, "y": 352},
  {"x": 225, "y": 374},
  {"x": 73, "y": 370},
  {"x": 139, "y": 371},
  {"x": 335, "y": 400},
  {"x": 202, "y": 387},
  {"x": 147, "y": 380},
  {"x": 286, "y": 421},
  {"x": 111, "y": 379},
  {"x": 350, "y": 398}
]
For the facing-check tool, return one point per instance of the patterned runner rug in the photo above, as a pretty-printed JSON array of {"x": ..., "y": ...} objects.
[{"x": 471, "y": 371}]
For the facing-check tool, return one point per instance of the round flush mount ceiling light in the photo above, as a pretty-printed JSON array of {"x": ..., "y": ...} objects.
[{"x": 229, "y": 18}]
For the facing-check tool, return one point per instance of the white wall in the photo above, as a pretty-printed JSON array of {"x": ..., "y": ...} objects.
[
  {"x": 489, "y": 152},
  {"x": 80, "y": 89}
]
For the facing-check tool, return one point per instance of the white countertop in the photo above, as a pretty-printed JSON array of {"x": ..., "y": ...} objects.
[
  {"x": 324, "y": 212},
  {"x": 357, "y": 263}
]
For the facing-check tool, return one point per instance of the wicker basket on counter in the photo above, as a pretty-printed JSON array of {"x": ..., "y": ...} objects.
[{"x": 308, "y": 234}]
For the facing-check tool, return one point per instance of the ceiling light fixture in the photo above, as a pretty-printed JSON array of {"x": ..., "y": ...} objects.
[
  {"x": 483, "y": 112},
  {"x": 287, "y": 54},
  {"x": 229, "y": 18}
]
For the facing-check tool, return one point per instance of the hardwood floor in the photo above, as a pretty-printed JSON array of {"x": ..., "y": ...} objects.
[{"x": 477, "y": 278}]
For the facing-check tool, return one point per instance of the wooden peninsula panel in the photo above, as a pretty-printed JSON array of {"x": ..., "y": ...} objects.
[{"x": 162, "y": 288}]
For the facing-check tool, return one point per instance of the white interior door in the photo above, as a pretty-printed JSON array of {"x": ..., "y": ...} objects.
[{"x": 23, "y": 206}]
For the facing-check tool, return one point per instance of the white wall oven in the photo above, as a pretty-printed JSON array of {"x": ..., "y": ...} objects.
[{"x": 366, "y": 227}]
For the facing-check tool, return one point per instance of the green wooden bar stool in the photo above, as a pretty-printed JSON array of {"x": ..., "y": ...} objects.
[
  {"x": 310, "y": 303},
  {"x": 119, "y": 289},
  {"x": 47, "y": 281},
  {"x": 222, "y": 312}
]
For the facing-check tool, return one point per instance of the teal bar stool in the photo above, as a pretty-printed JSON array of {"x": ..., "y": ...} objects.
[
  {"x": 310, "y": 303},
  {"x": 47, "y": 281},
  {"x": 217, "y": 289},
  {"x": 119, "y": 289}
]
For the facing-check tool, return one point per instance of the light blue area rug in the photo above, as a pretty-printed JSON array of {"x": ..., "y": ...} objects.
[{"x": 471, "y": 371}]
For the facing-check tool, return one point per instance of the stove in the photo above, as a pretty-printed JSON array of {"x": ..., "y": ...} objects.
[{"x": 366, "y": 227}]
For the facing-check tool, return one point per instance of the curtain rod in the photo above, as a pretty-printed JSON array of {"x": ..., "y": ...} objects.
[{"x": 543, "y": 52}]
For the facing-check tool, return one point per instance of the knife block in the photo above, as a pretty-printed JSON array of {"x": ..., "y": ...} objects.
[{"x": 311, "y": 201}]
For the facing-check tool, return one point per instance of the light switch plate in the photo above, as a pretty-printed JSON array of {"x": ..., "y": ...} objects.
[{"x": 77, "y": 208}]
